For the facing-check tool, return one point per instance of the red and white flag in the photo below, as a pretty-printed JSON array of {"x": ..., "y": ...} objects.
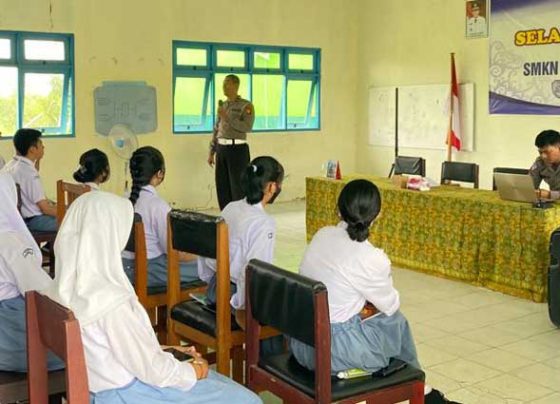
[{"x": 454, "y": 135}]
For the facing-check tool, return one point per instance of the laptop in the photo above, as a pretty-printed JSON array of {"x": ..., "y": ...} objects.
[{"x": 517, "y": 187}]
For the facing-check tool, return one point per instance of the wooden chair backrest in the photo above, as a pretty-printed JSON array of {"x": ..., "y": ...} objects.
[
  {"x": 51, "y": 326},
  {"x": 66, "y": 193}
]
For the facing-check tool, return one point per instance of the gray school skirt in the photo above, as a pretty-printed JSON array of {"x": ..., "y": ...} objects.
[{"x": 367, "y": 345}]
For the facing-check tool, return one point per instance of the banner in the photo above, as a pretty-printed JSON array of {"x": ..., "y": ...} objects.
[{"x": 524, "y": 57}]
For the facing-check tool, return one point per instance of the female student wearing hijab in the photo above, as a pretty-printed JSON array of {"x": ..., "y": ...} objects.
[
  {"x": 124, "y": 360},
  {"x": 367, "y": 328},
  {"x": 252, "y": 232},
  {"x": 20, "y": 271},
  {"x": 147, "y": 168},
  {"x": 93, "y": 169}
]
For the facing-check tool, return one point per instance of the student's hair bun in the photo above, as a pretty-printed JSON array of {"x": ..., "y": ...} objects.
[
  {"x": 261, "y": 171},
  {"x": 359, "y": 203}
]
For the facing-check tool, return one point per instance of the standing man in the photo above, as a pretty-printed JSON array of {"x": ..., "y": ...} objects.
[
  {"x": 229, "y": 149},
  {"x": 547, "y": 165}
]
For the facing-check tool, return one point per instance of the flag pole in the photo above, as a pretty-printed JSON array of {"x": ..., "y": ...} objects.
[{"x": 449, "y": 127}]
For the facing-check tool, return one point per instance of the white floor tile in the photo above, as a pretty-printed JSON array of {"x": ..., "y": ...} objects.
[
  {"x": 511, "y": 387},
  {"x": 501, "y": 360}
]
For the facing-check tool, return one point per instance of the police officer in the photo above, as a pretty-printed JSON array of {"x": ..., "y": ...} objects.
[
  {"x": 229, "y": 149},
  {"x": 547, "y": 165},
  {"x": 476, "y": 24}
]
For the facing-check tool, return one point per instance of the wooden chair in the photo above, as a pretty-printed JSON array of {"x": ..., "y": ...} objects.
[
  {"x": 66, "y": 193},
  {"x": 457, "y": 171},
  {"x": 154, "y": 299},
  {"x": 41, "y": 237},
  {"x": 51, "y": 326},
  {"x": 298, "y": 307},
  {"x": 409, "y": 165},
  {"x": 507, "y": 170},
  {"x": 206, "y": 236}
]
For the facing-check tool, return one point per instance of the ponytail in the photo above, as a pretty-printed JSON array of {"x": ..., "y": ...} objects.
[
  {"x": 144, "y": 164},
  {"x": 94, "y": 166},
  {"x": 260, "y": 172},
  {"x": 359, "y": 204}
]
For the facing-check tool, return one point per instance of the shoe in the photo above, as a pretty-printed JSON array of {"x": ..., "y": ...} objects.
[{"x": 437, "y": 397}]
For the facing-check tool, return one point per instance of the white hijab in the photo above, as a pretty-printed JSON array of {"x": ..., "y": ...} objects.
[
  {"x": 89, "y": 276},
  {"x": 10, "y": 218}
]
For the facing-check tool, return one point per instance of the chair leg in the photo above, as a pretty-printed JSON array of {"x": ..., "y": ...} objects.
[
  {"x": 238, "y": 355},
  {"x": 161, "y": 324},
  {"x": 222, "y": 360},
  {"x": 417, "y": 393}
]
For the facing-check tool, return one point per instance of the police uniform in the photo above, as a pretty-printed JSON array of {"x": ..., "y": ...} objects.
[
  {"x": 356, "y": 272},
  {"x": 25, "y": 174},
  {"x": 476, "y": 26},
  {"x": 540, "y": 171},
  {"x": 229, "y": 142},
  {"x": 154, "y": 210}
]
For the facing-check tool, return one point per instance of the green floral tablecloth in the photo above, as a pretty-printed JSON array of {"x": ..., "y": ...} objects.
[{"x": 458, "y": 233}]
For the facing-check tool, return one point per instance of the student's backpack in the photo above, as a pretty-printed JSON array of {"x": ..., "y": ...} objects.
[{"x": 554, "y": 278}]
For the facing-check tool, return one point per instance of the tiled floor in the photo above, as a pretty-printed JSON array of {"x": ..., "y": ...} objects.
[{"x": 475, "y": 345}]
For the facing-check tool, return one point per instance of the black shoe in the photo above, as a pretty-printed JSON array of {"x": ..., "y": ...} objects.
[{"x": 437, "y": 397}]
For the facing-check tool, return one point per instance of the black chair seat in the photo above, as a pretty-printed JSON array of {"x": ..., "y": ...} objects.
[
  {"x": 285, "y": 367},
  {"x": 199, "y": 316},
  {"x": 156, "y": 290},
  {"x": 13, "y": 386}
]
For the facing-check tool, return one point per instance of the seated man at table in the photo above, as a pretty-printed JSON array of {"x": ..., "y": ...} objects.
[
  {"x": 547, "y": 165},
  {"x": 38, "y": 212}
]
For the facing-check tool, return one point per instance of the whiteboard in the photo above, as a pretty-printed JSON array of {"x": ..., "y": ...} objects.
[{"x": 423, "y": 116}]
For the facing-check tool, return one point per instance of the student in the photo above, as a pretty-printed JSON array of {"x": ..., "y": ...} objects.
[
  {"x": 38, "y": 212},
  {"x": 367, "y": 328},
  {"x": 94, "y": 169},
  {"x": 124, "y": 360},
  {"x": 147, "y": 169},
  {"x": 252, "y": 232},
  {"x": 547, "y": 165},
  {"x": 20, "y": 271}
]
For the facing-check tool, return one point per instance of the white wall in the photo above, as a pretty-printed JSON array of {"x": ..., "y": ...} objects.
[
  {"x": 131, "y": 40},
  {"x": 408, "y": 42}
]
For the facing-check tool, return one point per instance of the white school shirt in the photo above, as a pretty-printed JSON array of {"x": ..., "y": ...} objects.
[
  {"x": 122, "y": 346},
  {"x": 352, "y": 271},
  {"x": 153, "y": 210},
  {"x": 252, "y": 233},
  {"x": 25, "y": 174},
  {"x": 20, "y": 267}
]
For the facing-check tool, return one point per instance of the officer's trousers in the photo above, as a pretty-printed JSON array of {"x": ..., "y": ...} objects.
[{"x": 230, "y": 163}]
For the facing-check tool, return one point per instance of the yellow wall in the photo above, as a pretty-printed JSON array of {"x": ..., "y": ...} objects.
[
  {"x": 131, "y": 40},
  {"x": 407, "y": 42}
]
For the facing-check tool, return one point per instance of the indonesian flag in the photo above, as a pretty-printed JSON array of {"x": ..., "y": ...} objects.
[{"x": 454, "y": 121}]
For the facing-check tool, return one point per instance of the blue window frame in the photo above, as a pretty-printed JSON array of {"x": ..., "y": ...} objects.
[
  {"x": 283, "y": 83},
  {"x": 37, "y": 82}
]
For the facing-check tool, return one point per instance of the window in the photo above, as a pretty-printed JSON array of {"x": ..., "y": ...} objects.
[
  {"x": 282, "y": 83},
  {"x": 36, "y": 82}
]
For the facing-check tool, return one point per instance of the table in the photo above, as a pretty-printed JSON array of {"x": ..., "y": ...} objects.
[{"x": 458, "y": 233}]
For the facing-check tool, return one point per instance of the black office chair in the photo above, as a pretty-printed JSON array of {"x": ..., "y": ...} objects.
[
  {"x": 507, "y": 170},
  {"x": 457, "y": 171},
  {"x": 298, "y": 307},
  {"x": 409, "y": 165}
]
